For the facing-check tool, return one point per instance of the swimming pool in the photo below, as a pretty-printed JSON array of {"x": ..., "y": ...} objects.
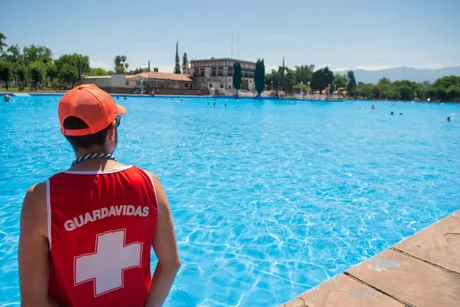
[{"x": 269, "y": 198}]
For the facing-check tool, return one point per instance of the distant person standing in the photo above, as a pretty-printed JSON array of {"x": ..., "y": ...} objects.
[{"x": 86, "y": 233}]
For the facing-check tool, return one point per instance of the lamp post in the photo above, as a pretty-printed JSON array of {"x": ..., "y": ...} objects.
[{"x": 308, "y": 88}]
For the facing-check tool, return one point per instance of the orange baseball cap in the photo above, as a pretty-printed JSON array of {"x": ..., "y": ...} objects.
[{"x": 90, "y": 104}]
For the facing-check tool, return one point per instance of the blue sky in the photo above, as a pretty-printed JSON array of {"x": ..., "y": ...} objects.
[{"x": 352, "y": 34}]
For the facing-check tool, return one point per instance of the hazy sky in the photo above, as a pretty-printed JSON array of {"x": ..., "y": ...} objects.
[{"x": 353, "y": 34}]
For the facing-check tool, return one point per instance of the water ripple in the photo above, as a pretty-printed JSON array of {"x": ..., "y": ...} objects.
[{"x": 269, "y": 199}]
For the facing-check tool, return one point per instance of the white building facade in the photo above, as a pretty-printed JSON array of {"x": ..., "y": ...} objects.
[{"x": 218, "y": 73}]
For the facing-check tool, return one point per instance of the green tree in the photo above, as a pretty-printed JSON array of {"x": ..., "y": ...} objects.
[
  {"x": 68, "y": 74},
  {"x": 177, "y": 66},
  {"x": 68, "y": 68},
  {"x": 237, "y": 77},
  {"x": 5, "y": 72},
  {"x": 299, "y": 85},
  {"x": 13, "y": 54},
  {"x": 37, "y": 53},
  {"x": 82, "y": 63},
  {"x": 37, "y": 72},
  {"x": 322, "y": 78},
  {"x": 406, "y": 92},
  {"x": 20, "y": 73},
  {"x": 375, "y": 92},
  {"x": 340, "y": 80},
  {"x": 447, "y": 81},
  {"x": 364, "y": 90},
  {"x": 440, "y": 92},
  {"x": 289, "y": 81},
  {"x": 272, "y": 80},
  {"x": 453, "y": 92},
  {"x": 184, "y": 63},
  {"x": 384, "y": 80},
  {"x": 259, "y": 77},
  {"x": 419, "y": 91},
  {"x": 138, "y": 70},
  {"x": 120, "y": 64},
  {"x": 2, "y": 41},
  {"x": 351, "y": 82},
  {"x": 97, "y": 72},
  {"x": 51, "y": 73},
  {"x": 304, "y": 73}
]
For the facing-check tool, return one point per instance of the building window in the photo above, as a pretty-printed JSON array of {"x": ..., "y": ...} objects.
[
  {"x": 229, "y": 87},
  {"x": 221, "y": 86},
  {"x": 210, "y": 84}
]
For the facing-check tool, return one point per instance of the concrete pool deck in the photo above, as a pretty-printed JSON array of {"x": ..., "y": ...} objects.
[{"x": 422, "y": 270}]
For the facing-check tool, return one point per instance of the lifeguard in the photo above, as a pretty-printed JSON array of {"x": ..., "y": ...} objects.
[{"x": 86, "y": 233}]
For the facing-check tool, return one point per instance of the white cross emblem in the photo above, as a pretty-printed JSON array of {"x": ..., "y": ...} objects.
[{"x": 106, "y": 265}]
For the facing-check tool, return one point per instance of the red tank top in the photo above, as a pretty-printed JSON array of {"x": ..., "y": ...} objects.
[{"x": 100, "y": 230}]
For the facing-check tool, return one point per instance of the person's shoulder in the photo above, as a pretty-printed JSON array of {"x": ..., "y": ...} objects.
[
  {"x": 35, "y": 200},
  {"x": 36, "y": 191},
  {"x": 152, "y": 175}
]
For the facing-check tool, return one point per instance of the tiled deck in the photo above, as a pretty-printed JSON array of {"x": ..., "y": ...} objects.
[{"x": 422, "y": 271}]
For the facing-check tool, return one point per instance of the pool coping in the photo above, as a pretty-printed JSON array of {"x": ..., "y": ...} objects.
[{"x": 421, "y": 270}]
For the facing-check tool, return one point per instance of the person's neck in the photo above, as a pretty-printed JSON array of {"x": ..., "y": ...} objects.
[
  {"x": 95, "y": 164},
  {"x": 81, "y": 152}
]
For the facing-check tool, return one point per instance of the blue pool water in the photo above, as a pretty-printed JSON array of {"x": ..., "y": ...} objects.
[{"x": 269, "y": 198}]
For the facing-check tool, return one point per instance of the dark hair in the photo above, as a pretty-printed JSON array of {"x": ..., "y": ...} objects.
[{"x": 85, "y": 141}]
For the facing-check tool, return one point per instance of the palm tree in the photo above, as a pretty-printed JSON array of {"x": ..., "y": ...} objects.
[
  {"x": 120, "y": 64},
  {"x": 2, "y": 41},
  {"x": 117, "y": 60}
]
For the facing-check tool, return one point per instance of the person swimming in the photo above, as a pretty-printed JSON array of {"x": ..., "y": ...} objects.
[
  {"x": 373, "y": 107},
  {"x": 392, "y": 113},
  {"x": 7, "y": 98}
]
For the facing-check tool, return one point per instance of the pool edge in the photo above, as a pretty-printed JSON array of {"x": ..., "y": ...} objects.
[{"x": 382, "y": 279}]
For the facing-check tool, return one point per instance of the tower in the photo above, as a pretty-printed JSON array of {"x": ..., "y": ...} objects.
[{"x": 177, "y": 66}]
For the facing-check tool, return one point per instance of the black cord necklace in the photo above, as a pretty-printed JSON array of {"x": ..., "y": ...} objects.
[{"x": 93, "y": 156}]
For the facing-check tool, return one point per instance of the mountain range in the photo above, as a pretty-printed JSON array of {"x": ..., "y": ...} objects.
[{"x": 405, "y": 73}]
